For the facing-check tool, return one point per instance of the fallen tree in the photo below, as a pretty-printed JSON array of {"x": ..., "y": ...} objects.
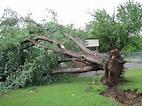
[{"x": 113, "y": 65}]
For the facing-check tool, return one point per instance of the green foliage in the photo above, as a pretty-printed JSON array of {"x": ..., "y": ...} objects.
[
  {"x": 130, "y": 13},
  {"x": 21, "y": 65},
  {"x": 117, "y": 31},
  {"x": 3, "y": 89},
  {"x": 42, "y": 62},
  {"x": 135, "y": 46}
]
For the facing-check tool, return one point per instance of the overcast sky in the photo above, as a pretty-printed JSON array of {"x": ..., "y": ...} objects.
[{"x": 69, "y": 11}]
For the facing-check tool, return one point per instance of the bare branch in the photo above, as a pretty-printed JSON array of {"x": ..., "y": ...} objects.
[
  {"x": 76, "y": 70},
  {"x": 81, "y": 45}
]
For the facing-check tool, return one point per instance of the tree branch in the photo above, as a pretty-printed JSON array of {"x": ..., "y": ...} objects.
[
  {"x": 94, "y": 58},
  {"x": 80, "y": 44},
  {"x": 75, "y": 70}
]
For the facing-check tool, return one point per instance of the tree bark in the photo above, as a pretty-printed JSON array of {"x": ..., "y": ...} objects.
[
  {"x": 73, "y": 70},
  {"x": 76, "y": 70}
]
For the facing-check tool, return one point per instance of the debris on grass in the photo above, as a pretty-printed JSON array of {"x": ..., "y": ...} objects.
[{"x": 125, "y": 97}]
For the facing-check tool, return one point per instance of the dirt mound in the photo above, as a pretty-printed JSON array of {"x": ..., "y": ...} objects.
[{"x": 127, "y": 98}]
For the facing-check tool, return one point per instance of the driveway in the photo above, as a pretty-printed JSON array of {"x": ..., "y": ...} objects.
[
  {"x": 129, "y": 66},
  {"x": 133, "y": 65}
]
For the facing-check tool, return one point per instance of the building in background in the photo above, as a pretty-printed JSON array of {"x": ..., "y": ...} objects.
[{"x": 92, "y": 44}]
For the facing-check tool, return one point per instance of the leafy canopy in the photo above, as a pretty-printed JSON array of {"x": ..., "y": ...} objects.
[{"x": 118, "y": 30}]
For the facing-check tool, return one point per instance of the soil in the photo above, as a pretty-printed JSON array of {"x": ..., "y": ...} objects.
[{"x": 126, "y": 98}]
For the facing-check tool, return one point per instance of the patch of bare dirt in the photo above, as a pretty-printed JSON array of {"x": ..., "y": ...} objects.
[{"x": 126, "y": 98}]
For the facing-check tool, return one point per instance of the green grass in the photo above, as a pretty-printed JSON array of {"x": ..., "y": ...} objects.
[
  {"x": 73, "y": 92},
  {"x": 134, "y": 78}
]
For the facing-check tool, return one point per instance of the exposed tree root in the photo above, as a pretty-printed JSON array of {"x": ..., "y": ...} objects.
[{"x": 126, "y": 98}]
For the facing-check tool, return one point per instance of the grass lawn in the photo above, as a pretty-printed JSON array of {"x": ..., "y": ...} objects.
[
  {"x": 72, "y": 92},
  {"x": 135, "y": 80}
]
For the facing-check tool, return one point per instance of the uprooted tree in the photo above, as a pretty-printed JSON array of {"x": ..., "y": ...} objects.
[
  {"x": 21, "y": 66},
  {"x": 94, "y": 61}
]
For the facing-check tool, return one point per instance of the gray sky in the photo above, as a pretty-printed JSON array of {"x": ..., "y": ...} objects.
[{"x": 69, "y": 11}]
